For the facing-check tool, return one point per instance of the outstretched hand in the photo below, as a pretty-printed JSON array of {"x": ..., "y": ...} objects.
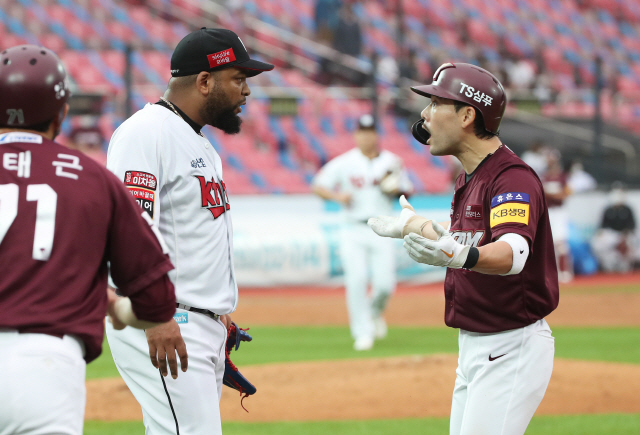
[
  {"x": 389, "y": 226},
  {"x": 444, "y": 251}
]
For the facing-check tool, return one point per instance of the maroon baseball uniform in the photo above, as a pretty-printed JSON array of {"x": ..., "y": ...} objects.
[
  {"x": 504, "y": 195},
  {"x": 555, "y": 188},
  {"x": 63, "y": 219}
]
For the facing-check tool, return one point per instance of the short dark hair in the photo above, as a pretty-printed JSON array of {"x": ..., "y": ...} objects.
[
  {"x": 42, "y": 127},
  {"x": 478, "y": 125}
]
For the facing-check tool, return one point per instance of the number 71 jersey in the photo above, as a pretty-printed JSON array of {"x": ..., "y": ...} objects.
[{"x": 62, "y": 218}]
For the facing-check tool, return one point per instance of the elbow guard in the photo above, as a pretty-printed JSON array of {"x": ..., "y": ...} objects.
[{"x": 520, "y": 248}]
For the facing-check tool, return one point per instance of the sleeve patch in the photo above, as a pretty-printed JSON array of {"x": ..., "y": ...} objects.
[
  {"x": 510, "y": 212},
  {"x": 509, "y": 197},
  {"x": 144, "y": 198},
  {"x": 140, "y": 179}
]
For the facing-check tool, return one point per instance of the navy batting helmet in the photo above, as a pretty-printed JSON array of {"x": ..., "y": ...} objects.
[
  {"x": 468, "y": 84},
  {"x": 33, "y": 85}
]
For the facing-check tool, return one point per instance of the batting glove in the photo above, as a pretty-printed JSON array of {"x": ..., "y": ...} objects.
[
  {"x": 444, "y": 251},
  {"x": 389, "y": 226}
]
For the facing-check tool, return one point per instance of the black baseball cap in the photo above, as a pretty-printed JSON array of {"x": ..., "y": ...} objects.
[{"x": 210, "y": 50}]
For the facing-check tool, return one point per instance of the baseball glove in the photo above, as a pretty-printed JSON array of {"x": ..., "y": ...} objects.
[{"x": 232, "y": 376}]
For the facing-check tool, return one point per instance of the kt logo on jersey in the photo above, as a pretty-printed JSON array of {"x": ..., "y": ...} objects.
[{"x": 214, "y": 196}]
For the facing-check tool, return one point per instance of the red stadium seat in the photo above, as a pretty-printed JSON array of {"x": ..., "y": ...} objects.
[
  {"x": 286, "y": 180},
  {"x": 11, "y": 40},
  {"x": 115, "y": 59},
  {"x": 481, "y": 34},
  {"x": 53, "y": 42},
  {"x": 238, "y": 183}
]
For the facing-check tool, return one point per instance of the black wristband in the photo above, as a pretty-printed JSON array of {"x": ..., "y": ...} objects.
[{"x": 472, "y": 258}]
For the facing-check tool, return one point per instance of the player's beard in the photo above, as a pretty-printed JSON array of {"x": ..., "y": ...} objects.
[{"x": 219, "y": 112}]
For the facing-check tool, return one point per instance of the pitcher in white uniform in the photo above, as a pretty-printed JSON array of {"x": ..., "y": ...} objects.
[
  {"x": 176, "y": 175},
  {"x": 366, "y": 181}
]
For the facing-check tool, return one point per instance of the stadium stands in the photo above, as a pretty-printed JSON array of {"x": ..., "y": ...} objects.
[{"x": 279, "y": 154}]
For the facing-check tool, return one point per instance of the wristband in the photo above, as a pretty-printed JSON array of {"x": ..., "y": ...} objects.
[
  {"x": 472, "y": 258},
  {"x": 124, "y": 311}
]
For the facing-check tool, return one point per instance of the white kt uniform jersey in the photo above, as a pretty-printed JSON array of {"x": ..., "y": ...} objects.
[
  {"x": 176, "y": 176},
  {"x": 363, "y": 253}
]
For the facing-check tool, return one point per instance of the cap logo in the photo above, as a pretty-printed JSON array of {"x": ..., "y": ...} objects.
[
  {"x": 440, "y": 68},
  {"x": 221, "y": 57}
]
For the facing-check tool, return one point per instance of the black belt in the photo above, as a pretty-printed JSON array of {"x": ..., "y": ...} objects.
[{"x": 207, "y": 313}]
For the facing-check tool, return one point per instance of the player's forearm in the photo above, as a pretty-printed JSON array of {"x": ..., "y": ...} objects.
[
  {"x": 495, "y": 259},
  {"x": 151, "y": 306},
  {"x": 122, "y": 310},
  {"x": 429, "y": 233}
]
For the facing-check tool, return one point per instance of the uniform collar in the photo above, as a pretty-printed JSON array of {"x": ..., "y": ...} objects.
[
  {"x": 468, "y": 177},
  {"x": 194, "y": 125},
  {"x": 20, "y": 136}
]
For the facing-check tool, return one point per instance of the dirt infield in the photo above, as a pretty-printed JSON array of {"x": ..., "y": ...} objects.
[
  {"x": 383, "y": 388},
  {"x": 586, "y": 302},
  {"x": 403, "y": 386}
]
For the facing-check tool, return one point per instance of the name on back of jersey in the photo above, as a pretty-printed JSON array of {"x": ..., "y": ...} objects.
[{"x": 21, "y": 164}]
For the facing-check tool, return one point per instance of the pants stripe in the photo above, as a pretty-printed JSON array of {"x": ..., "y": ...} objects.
[{"x": 175, "y": 418}]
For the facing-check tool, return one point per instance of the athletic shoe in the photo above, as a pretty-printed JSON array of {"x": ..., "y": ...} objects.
[
  {"x": 363, "y": 343},
  {"x": 380, "y": 328}
]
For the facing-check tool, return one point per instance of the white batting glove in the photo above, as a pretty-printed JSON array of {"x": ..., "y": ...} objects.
[
  {"x": 444, "y": 252},
  {"x": 389, "y": 226}
]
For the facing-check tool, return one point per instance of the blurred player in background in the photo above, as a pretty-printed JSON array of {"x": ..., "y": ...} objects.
[
  {"x": 556, "y": 191},
  {"x": 63, "y": 217},
  {"x": 176, "y": 175},
  {"x": 615, "y": 243},
  {"x": 365, "y": 181},
  {"x": 87, "y": 137},
  {"x": 501, "y": 273}
]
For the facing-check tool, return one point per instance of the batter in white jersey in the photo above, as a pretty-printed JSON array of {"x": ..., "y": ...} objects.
[
  {"x": 366, "y": 181},
  {"x": 176, "y": 176}
]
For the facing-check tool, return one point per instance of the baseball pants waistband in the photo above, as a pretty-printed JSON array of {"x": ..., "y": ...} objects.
[
  {"x": 207, "y": 313},
  {"x": 6, "y": 334}
]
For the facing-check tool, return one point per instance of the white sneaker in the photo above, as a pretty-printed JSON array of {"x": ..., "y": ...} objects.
[
  {"x": 380, "y": 328},
  {"x": 363, "y": 343}
]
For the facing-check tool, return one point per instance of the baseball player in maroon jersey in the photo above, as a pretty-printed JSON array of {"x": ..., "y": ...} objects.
[
  {"x": 63, "y": 219},
  {"x": 501, "y": 279}
]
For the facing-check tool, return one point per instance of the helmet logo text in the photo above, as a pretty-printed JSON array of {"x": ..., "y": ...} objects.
[{"x": 479, "y": 97}]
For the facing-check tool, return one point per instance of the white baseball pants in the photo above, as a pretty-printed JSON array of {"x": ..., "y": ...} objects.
[
  {"x": 365, "y": 254},
  {"x": 189, "y": 405},
  {"x": 42, "y": 380},
  {"x": 501, "y": 380}
]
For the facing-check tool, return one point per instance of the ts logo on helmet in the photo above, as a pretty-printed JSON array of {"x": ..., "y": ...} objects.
[{"x": 477, "y": 97}]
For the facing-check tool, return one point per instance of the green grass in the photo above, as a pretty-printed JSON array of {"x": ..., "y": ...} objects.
[
  {"x": 600, "y": 344},
  {"x": 614, "y": 424},
  {"x": 273, "y": 344},
  {"x": 103, "y": 366},
  {"x": 285, "y": 344}
]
